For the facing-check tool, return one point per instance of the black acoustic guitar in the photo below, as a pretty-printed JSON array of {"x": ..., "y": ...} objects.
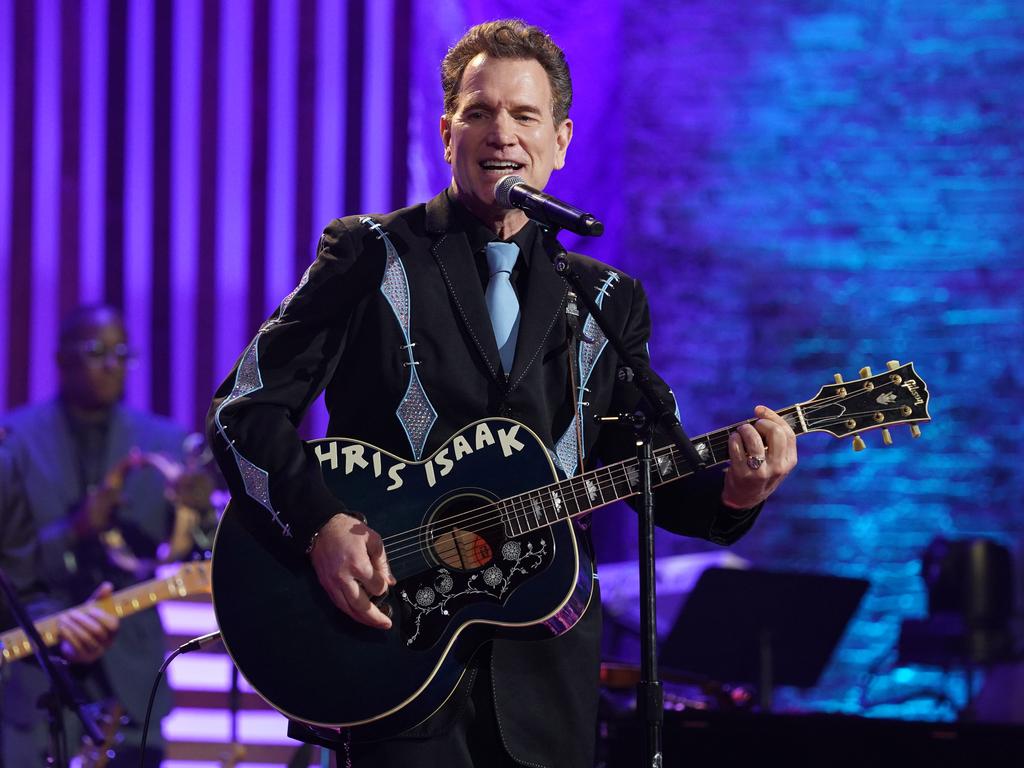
[{"x": 481, "y": 540}]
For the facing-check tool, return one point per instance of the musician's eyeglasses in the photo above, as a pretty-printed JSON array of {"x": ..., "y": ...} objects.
[{"x": 94, "y": 354}]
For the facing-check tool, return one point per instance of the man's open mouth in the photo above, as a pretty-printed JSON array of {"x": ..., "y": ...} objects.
[{"x": 504, "y": 166}]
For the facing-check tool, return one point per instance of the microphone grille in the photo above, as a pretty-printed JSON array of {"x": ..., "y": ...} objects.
[{"x": 504, "y": 187}]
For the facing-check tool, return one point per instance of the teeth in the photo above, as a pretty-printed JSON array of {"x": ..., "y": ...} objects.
[{"x": 501, "y": 166}]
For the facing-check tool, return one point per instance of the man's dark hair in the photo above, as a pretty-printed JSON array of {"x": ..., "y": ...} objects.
[
  {"x": 85, "y": 316},
  {"x": 508, "y": 39}
]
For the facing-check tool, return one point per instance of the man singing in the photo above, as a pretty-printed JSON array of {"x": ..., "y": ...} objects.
[{"x": 421, "y": 321}]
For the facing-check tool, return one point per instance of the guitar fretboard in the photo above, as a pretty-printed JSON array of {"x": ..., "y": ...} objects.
[
  {"x": 594, "y": 489},
  {"x": 187, "y": 580}
]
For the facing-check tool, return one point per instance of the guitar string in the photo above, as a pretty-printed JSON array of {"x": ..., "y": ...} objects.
[
  {"x": 790, "y": 414},
  {"x": 521, "y": 504},
  {"x": 484, "y": 512},
  {"x": 523, "y": 507}
]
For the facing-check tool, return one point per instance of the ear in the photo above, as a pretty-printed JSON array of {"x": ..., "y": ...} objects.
[
  {"x": 563, "y": 135},
  {"x": 446, "y": 138}
]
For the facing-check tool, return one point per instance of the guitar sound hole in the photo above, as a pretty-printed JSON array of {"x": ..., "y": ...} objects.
[{"x": 462, "y": 537}]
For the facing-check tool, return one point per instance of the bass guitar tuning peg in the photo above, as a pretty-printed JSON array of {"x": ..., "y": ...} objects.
[{"x": 858, "y": 443}]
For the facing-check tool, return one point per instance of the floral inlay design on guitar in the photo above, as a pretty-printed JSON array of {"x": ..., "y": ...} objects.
[{"x": 493, "y": 581}]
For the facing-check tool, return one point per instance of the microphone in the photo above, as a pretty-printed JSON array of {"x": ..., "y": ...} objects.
[{"x": 513, "y": 192}]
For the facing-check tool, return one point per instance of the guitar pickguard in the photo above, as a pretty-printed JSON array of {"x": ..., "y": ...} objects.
[{"x": 450, "y": 591}]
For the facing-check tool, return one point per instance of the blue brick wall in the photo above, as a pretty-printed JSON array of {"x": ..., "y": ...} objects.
[{"x": 817, "y": 186}]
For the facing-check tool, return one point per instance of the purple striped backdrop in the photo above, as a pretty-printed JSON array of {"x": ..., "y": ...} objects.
[{"x": 179, "y": 159}]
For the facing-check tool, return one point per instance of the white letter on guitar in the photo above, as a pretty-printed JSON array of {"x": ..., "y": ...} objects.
[
  {"x": 461, "y": 447},
  {"x": 444, "y": 463},
  {"x": 393, "y": 474},
  {"x": 328, "y": 453},
  {"x": 354, "y": 458},
  {"x": 507, "y": 438},
  {"x": 483, "y": 436}
]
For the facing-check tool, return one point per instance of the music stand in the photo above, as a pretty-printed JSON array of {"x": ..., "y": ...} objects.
[{"x": 763, "y": 627}]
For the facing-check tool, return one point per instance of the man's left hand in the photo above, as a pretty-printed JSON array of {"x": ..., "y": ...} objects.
[{"x": 762, "y": 455}]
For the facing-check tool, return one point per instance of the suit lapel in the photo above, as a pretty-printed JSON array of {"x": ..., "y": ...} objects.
[
  {"x": 540, "y": 312},
  {"x": 453, "y": 257},
  {"x": 545, "y": 298}
]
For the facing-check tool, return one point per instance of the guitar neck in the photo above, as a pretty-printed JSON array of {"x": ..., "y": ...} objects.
[
  {"x": 598, "y": 487},
  {"x": 140, "y": 597}
]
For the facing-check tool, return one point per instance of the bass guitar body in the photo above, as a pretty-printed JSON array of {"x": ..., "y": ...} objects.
[{"x": 470, "y": 566}]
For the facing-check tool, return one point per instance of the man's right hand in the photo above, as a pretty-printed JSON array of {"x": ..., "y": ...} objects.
[
  {"x": 350, "y": 563},
  {"x": 86, "y": 633}
]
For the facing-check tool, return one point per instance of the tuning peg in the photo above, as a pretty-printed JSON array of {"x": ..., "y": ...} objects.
[
  {"x": 858, "y": 443},
  {"x": 892, "y": 365},
  {"x": 915, "y": 430},
  {"x": 865, "y": 372},
  {"x": 886, "y": 437},
  {"x": 839, "y": 378}
]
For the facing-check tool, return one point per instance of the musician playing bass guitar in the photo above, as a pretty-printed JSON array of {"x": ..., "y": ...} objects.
[{"x": 422, "y": 321}]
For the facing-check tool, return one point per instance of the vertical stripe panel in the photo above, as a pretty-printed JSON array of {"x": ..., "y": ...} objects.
[
  {"x": 305, "y": 116},
  {"x": 354, "y": 68},
  {"x": 46, "y": 240},
  {"x": 328, "y": 143},
  {"x": 21, "y": 215},
  {"x": 329, "y": 122},
  {"x": 305, "y": 113},
  {"x": 113, "y": 278},
  {"x": 138, "y": 204},
  {"x": 185, "y": 94},
  {"x": 161, "y": 107},
  {"x": 257, "y": 188},
  {"x": 6, "y": 178},
  {"x": 94, "y": 137},
  {"x": 70, "y": 158},
  {"x": 233, "y": 140},
  {"x": 209, "y": 214},
  {"x": 377, "y": 106},
  {"x": 281, "y": 152},
  {"x": 401, "y": 84}
]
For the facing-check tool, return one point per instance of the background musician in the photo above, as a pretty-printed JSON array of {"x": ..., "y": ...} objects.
[{"x": 102, "y": 511}]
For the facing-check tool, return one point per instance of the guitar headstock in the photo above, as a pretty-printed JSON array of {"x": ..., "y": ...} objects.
[{"x": 898, "y": 396}]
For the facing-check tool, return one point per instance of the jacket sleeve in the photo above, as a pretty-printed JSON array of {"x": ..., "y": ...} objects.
[
  {"x": 691, "y": 506},
  {"x": 20, "y": 553},
  {"x": 252, "y": 422}
]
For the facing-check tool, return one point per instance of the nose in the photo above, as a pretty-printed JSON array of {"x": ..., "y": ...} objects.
[{"x": 501, "y": 133}]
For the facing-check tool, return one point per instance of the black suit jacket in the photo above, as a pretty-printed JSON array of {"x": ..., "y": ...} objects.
[{"x": 390, "y": 322}]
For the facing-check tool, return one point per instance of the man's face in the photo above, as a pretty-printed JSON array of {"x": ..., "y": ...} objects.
[
  {"x": 502, "y": 125},
  {"x": 92, "y": 364}
]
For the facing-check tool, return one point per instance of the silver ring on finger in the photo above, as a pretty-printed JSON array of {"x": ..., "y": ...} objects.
[{"x": 755, "y": 462}]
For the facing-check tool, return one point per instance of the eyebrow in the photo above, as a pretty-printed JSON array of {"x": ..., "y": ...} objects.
[{"x": 481, "y": 104}]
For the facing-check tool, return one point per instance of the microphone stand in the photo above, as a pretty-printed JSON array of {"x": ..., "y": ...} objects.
[
  {"x": 649, "y": 694},
  {"x": 63, "y": 690}
]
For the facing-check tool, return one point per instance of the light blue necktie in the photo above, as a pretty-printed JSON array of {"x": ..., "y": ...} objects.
[{"x": 502, "y": 303}]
